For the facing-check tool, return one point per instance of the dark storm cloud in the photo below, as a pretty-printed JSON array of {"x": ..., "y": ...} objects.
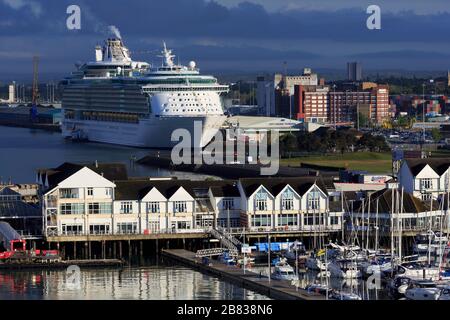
[
  {"x": 209, "y": 31},
  {"x": 198, "y": 18}
]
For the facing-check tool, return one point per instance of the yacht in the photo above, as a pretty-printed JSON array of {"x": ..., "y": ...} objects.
[
  {"x": 398, "y": 286},
  {"x": 427, "y": 290},
  {"x": 318, "y": 288},
  {"x": 314, "y": 262},
  {"x": 430, "y": 241},
  {"x": 342, "y": 295},
  {"x": 283, "y": 271},
  {"x": 344, "y": 268},
  {"x": 117, "y": 100},
  {"x": 296, "y": 250},
  {"x": 379, "y": 264},
  {"x": 418, "y": 271}
]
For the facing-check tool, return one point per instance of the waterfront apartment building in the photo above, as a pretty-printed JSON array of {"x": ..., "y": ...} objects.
[
  {"x": 96, "y": 199},
  {"x": 425, "y": 178},
  {"x": 300, "y": 204},
  {"x": 76, "y": 200}
]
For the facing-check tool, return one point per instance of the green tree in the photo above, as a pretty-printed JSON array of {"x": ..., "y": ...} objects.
[
  {"x": 363, "y": 120},
  {"x": 436, "y": 134},
  {"x": 288, "y": 143}
]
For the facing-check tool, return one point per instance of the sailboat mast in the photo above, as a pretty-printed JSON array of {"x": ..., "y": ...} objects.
[
  {"x": 400, "y": 224},
  {"x": 376, "y": 228},
  {"x": 441, "y": 248},
  {"x": 362, "y": 223},
  {"x": 429, "y": 230},
  {"x": 392, "y": 231},
  {"x": 368, "y": 222}
]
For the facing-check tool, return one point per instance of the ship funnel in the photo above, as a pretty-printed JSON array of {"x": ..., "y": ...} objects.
[{"x": 98, "y": 54}]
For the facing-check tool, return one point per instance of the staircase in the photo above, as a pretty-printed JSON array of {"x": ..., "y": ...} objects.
[
  {"x": 230, "y": 237},
  {"x": 227, "y": 241}
]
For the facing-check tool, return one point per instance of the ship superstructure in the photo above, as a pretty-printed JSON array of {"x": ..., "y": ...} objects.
[{"x": 117, "y": 100}]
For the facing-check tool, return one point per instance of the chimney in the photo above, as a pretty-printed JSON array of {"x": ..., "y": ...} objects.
[
  {"x": 12, "y": 92},
  {"x": 98, "y": 54}
]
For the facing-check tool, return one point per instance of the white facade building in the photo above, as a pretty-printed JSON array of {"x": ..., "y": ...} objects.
[
  {"x": 425, "y": 178},
  {"x": 101, "y": 200},
  {"x": 300, "y": 204},
  {"x": 81, "y": 203}
]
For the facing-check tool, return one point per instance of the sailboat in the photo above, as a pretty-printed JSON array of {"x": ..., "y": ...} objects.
[
  {"x": 427, "y": 291},
  {"x": 314, "y": 262}
]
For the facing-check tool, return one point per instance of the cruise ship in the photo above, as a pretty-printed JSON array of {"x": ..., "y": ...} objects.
[{"x": 120, "y": 101}]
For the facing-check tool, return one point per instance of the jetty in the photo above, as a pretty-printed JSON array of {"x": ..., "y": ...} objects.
[{"x": 275, "y": 289}]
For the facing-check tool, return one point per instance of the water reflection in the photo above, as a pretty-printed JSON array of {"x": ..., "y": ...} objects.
[
  {"x": 357, "y": 286},
  {"x": 139, "y": 283}
]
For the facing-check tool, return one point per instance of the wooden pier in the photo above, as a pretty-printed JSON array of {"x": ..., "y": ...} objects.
[{"x": 275, "y": 289}]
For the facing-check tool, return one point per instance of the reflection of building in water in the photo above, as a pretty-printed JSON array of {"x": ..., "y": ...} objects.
[{"x": 147, "y": 283}]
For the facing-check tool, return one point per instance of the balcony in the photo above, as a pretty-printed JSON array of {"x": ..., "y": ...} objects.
[{"x": 290, "y": 229}]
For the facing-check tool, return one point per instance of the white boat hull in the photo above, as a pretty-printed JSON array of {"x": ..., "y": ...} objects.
[
  {"x": 153, "y": 132},
  {"x": 423, "y": 294},
  {"x": 427, "y": 273},
  {"x": 337, "y": 272}
]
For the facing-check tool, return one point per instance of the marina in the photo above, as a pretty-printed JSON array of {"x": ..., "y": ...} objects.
[{"x": 276, "y": 289}]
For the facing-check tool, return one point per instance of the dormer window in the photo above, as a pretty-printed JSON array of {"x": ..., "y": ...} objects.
[
  {"x": 180, "y": 206},
  {"x": 228, "y": 203},
  {"x": 287, "y": 200},
  {"x": 261, "y": 200},
  {"x": 426, "y": 183},
  {"x": 313, "y": 200}
]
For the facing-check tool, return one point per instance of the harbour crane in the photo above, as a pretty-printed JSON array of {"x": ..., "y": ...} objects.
[{"x": 35, "y": 93}]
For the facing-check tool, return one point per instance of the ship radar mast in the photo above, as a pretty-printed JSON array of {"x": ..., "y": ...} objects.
[{"x": 167, "y": 55}]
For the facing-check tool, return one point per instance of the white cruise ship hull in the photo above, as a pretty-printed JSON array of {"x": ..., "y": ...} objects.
[{"x": 152, "y": 132}]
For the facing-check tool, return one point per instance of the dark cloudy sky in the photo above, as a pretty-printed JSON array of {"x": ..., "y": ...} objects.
[{"x": 230, "y": 35}]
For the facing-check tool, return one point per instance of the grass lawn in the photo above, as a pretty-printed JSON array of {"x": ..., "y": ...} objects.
[{"x": 369, "y": 161}]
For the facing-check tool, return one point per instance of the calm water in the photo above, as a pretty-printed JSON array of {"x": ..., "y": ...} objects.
[
  {"x": 22, "y": 151},
  {"x": 138, "y": 283}
]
